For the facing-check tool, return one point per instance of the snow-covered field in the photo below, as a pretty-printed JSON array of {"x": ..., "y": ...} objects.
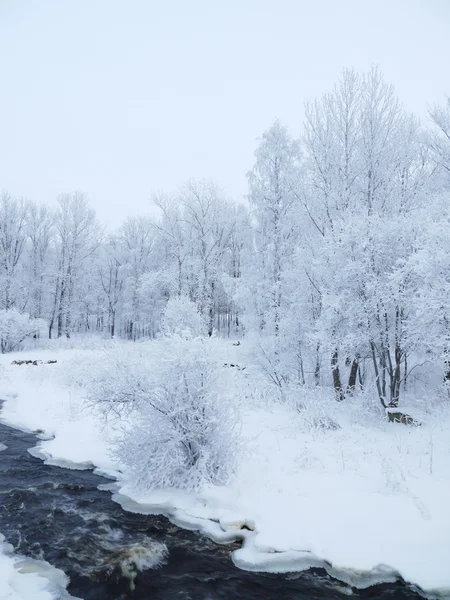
[{"x": 370, "y": 498}]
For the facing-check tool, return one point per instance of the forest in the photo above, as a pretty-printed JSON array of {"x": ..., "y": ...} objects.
[{"x": 336, "y": 266}]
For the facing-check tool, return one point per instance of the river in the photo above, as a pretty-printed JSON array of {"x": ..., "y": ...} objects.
[{"x": 60, "y": 515}]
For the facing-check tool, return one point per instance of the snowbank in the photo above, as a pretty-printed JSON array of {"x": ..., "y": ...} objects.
[
  {"x": 26, "y": 579},
  {"x": 367, "y": 502}
]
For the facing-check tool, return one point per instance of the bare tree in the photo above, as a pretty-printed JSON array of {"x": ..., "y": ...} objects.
[
  {"x": 40, "y": 258},
  {"x": 111, "y": 271},
  {"x": 78, "y": 237},
  {"x": 210, "y": 223},
  {"x": 440, "y": 138},
  {"x": 137, "y": 238},
  {"x": 13, "y": 235}
]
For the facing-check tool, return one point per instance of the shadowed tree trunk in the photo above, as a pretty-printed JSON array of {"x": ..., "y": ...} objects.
[
  {"x": 353, "y": 375},
  {"x": 377, "y": 375},
  {"x": 337, "y": 384}
]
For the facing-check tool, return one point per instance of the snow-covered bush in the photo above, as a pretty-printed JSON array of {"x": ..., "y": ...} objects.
[
  {"x": 180, "y": 431},
  {"x": 316, "y": 407},
  {"x": 118, "y": 380},
  {"x": 181, "y": 316},
  {"x": 154, "y": 289},
  {"x": 16, "y": 327}
]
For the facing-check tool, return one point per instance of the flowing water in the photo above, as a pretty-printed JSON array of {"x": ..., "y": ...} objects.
[{"x": 60, "y": 515}]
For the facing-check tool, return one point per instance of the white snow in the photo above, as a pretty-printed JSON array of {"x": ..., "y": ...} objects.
[
  {"x": 370, "y": 500},
  {"x": 26, "y": 579}
]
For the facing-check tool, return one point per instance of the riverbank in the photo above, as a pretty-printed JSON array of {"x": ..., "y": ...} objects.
[
  {"x": 367, "y": 501},
  {"x": 25, "y": 579},
  {"x": 69, "y": 518}
]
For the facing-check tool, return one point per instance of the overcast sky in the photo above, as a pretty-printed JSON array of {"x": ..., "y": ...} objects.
[{"x": 121, "y": 98}]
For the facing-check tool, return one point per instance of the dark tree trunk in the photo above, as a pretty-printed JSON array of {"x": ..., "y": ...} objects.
[
  {"x": 377, "y": 375},
  {"x": 337, "y": 384},
  {"x": 211, "y": 310},
  {"x": 61, "y": 309},
  {"x": 317, "y": 367},
  {"x": 353, "y": 376},
  {"x": 396, "y": 378}
]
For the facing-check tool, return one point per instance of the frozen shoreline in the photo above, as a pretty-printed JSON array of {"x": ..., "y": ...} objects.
[
  {"x": 270, "y": 536},
  {"x": 223, "y": 530},
  {"x": 23, "y": 578}
]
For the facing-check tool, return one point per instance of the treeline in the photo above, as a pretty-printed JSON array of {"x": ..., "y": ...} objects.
[
  {"x": 61, "y": 266},
  {"x": 339, "y": 268}
]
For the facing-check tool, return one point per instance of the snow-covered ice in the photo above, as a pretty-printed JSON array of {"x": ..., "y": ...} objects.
[{"x": 26, "y": 579}]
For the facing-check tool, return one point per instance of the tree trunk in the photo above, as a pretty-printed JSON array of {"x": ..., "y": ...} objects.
[
  {"x": 352, "y": 376},
  {"x": 396, "y": 377},
  {"x": 317, "y": 367},
  {"x": 62, "y": 297},
  {"x": 377, "y": 375},
  {"x": 211, "y": 311},
  {"x": 337, "y": 384}
]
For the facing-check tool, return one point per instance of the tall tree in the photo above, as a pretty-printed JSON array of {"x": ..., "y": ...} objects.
[
  {"x": 274, "y": 190},
  {"x": 137, "y": 239},
  {"x": 40, "y": 258},
  {"x": 78, "y": 237},
  {"x": 210, "y": 223},
  {"x": 13, "y": 235},
  {"x": 112, "y": 278}
]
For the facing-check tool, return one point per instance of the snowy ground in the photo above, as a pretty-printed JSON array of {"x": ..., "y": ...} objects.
[{"x": 370, "y": 498}]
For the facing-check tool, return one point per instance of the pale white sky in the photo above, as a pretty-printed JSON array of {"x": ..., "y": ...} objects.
[{"x": 121, "y": 98}]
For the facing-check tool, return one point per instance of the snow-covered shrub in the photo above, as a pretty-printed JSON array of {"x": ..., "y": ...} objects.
[
  {"x": 16, "y": 327},
  {"x": 181, "y": 432},
  {"x": 316, "y": 406},
  {"x": 181, "y": 316},
  {"x": 154, "y": 289},
  {"x": 264, "y": 361},
  {"x": 116, "y": 379},
  {"x": 77, "y": 341}
]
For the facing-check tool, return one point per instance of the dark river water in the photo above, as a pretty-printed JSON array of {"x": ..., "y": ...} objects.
[{"x": 61, "y": 516}]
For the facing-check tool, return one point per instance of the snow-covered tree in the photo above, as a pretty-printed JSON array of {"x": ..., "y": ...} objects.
[
  {"x": 111, "y": 270},
  {"x": 40, "y": 258},
  {"x": 16, "y": 327},
  {"x": 273, "y": 181},
  {"x": 440, "y": 137},
  {"x": 181, "y": 317},
  {"x": 136, "y": 238},
  {"x": 196, "y": 229},
  {"x": 207, "y": 216},
  {"x": 274, "y": 190},
  {"x": 183, "y": 433},
  {"x": 367, "y": 173},
  {"x": 13, "y": 235},
  {"x": 78, "y": 236}
]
